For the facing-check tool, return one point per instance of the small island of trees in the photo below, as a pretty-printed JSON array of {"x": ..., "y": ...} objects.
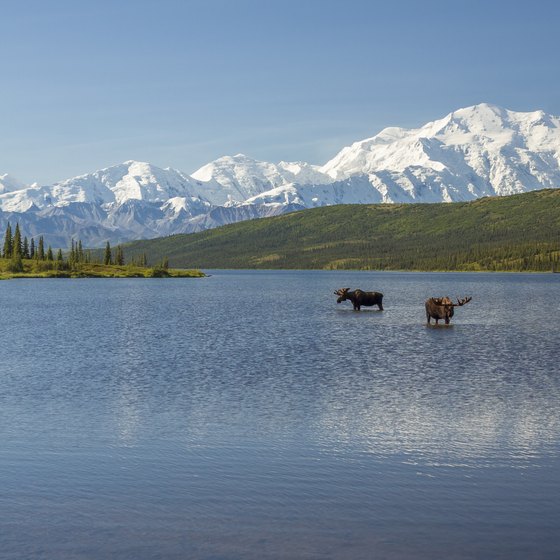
[{"x": 28, "y": 257}]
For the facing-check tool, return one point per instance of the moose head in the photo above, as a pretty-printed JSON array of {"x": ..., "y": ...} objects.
[{"x": 343, "y": 294}]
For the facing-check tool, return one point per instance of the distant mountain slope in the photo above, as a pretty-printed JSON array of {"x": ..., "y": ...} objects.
[
  {"x": 518, "y": 232},
  {"x": 483, "y": 150},
  {"x": 242, "y": 177}
]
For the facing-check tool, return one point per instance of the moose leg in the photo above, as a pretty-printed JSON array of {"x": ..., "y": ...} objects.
[{"x": 380, "y": 305}]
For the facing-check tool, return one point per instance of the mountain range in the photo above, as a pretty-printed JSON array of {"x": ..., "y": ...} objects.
[{"x": 478, "y": 151}]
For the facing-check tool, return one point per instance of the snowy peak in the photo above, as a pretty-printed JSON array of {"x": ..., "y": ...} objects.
[
  {"x": 480, "y": 150},
  {"x": 9, "y": 184},
  {"x": 242, "y": 177},
  {"x": 115, "y": 185},
  {"x": 131, "y": 180}
]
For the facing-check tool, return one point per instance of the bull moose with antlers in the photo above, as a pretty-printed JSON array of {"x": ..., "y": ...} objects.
[
  {"x": 359, "y": 298},
  {"x": 443, "y": 308}
]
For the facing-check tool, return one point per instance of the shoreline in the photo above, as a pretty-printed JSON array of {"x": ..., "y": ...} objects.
[
  {"x": 396, "y": 270},
  {"x": 45, "y": 270},
  {"x": 128, "y": 271}
]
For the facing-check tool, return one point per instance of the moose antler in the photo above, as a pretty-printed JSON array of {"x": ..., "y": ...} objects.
[
  {"x": 462, "y": 301},
  {"x": 341, "y": 291}
]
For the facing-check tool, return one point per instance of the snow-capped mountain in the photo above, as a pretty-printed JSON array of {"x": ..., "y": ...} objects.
[
  {"x": 241, "y": 177},
  {"x": 482, "y": 150},
  {"x": 114, "y": 185}
]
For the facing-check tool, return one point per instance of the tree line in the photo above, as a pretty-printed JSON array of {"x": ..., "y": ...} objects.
[{"x": 17, "y": 248}]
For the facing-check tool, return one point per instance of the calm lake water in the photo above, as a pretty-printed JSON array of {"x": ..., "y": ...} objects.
[{"x": 248, "y": 416}]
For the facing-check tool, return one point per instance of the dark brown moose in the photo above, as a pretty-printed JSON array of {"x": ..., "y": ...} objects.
[
  {"x": 443, "y": 308},
  {"x": 359, "y": 298}
]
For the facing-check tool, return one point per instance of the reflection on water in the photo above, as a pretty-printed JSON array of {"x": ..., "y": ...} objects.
[{"x": 247, "y": 415}]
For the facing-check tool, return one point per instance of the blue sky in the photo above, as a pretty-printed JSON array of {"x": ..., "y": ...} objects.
[{"x": 178, "y": 83}]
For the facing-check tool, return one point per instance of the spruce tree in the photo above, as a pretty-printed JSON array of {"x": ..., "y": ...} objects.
[
  {"x": 17, "y": 247},
  {"x": 41, "y": 249},
  {"x": 119, "y": 258},
  {"x": 32, "y": 248},
  {"x": 80, "y": 251},
  {"x": 7, "y": 251},
  {"x": 50, "y": 256},
  {"x": 108, "y": 257},
  {"x": 59, "y": 256},
  {"x": 26, "y": 254}
]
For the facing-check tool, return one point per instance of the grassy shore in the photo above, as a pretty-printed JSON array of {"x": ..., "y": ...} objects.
[{"x": 51, "y": 269}]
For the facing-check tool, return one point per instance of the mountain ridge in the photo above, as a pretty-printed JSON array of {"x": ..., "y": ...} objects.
[{"x": 477, "y": 151}]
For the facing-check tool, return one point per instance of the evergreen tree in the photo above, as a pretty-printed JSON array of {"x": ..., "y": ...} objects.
[
  {"x": 143, "y": 260},
  {"x": 41, "y": 249},
  {"x": 26, "y": 254},
  {"x": 59, "y": 256},
  {"x": 7, "y": 251},
  {"x": 108, "y": 257},
  {"x": 32, "y": 248},
  {"x": 119, "y": 258},
  {"x": 50, "y": 256},
  {"x": 80, "y": 250},
  {"x": 17, "y": 247}
]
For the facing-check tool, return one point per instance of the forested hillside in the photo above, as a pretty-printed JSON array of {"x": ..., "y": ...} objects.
[{"x": 520, "y": 232}]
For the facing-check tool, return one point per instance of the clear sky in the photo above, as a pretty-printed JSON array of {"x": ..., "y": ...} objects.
[{"x": 87, "y": 84}]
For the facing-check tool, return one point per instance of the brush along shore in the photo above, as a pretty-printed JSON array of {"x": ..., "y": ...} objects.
[{"x": 31, "y": 268}]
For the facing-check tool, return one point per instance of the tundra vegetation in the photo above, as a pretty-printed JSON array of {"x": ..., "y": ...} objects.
[
  {"x": 29, "y": 258},
  {"x": 513, "y": 233}
]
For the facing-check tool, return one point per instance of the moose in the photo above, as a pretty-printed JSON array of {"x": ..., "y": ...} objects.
[
  {"x": 359, "y": 298},
  {"x": 443, "y": 308}
]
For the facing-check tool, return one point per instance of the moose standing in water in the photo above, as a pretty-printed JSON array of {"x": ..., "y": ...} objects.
[
  {"x": 443, "y": 308},
  {"x": 359, "y": 298}
]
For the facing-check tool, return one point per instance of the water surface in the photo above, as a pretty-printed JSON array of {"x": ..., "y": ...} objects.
[{"x": 249, "y": 416}]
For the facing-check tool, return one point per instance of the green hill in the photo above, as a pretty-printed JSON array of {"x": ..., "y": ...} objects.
[{"x": 519, "y": 232}]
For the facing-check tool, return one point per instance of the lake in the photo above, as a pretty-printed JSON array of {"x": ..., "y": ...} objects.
[{"x": 248, "y": 416}]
